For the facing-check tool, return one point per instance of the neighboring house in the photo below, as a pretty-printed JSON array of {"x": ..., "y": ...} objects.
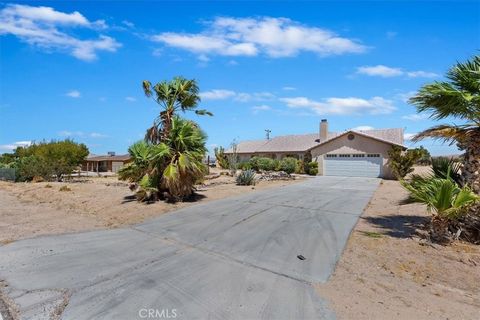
[
  {"x": 351, "y": 153},
  {"x": 105, "y": 163}
]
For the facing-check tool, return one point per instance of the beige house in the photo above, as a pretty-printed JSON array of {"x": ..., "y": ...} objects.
[{"x": 351, "y": 153}]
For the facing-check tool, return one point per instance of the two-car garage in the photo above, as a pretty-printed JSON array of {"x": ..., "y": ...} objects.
[{"x": 353, "y": 165}]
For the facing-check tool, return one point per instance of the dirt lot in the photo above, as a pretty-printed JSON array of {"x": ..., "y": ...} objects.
[
  {"x": 32, "y": 209},
  {"x": 388, "y": 272}
]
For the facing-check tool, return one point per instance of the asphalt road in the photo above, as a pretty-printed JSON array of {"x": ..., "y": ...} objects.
[{"x": 235, "y": 258}]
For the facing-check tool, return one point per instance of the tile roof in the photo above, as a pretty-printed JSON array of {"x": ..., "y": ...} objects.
[{"x": 304, "y": 142}]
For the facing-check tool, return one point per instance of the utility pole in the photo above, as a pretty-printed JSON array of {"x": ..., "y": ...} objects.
[{"x": 268, "y": 133}]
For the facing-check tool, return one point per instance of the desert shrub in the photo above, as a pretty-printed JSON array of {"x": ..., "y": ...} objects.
[
  {"x": 49, "y": 160},
  {"x": 221, "y": 157},
  {"x": 276, "y": 164},
  {"x": 244, "y": 165},
  {"x": 444, "y": 167},
  {"x": 300, "y": 167},
  {"x": 246, "y": 178},
  {"x": 37, "y": 179},
  {"x": 424, "y": 156},
  {"x": 65, "y": 188},
  {"x": 401, "y": 163},
  {"x": 31, "y": 166},
  {"x": 288, "y": 165},
  {"x": 48, "y": 186},
  {"x": 312, "y": 168},
  {"x": 266, "y": 164}
]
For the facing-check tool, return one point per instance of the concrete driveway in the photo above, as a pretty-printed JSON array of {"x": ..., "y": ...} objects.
[{"x": 234, "y": 258}]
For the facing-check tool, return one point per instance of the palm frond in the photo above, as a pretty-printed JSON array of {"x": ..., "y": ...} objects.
[{"x": 446, "y": 133}]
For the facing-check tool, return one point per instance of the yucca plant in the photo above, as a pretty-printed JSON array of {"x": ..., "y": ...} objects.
[{"x": 247, "y": 178}]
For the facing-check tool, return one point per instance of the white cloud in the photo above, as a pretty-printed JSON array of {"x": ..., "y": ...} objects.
[
  {"x": 289, "y": 88},
  {"x": 128, "y": 23},
  {"x": 415, "y": 117},
  {"x": 363, "y": 128},
  {"x": 256, "y": 96},
  {"x": 408, "y": 136},
  {"x": 131, "y": 99},
  {"x": 217, "y": 94},
  {"x": 342, "y": 106},
  {"x": 380, "y": 70},
  {"x": 73, "y": 94},
  {"x": 263, "y": 107},
  {"x": 405, "y": 96},
  {"x": 45, "y": 28},
  {"x": 66, "y": 133},
  {"x": 387, "y": 72},
  {"x": 12, "y": 146},
  {"x": 222, "y": 94},
  {"x": 274, "y": 37},
  {"x": 157, "y": 52},
  {"x": 97, "y": 135},
  {"x": 391, "y": 34},
  {"x": 421, "y": 74}
]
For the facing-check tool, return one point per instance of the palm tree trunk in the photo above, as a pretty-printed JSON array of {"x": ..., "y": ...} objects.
[{"x": 471, "y": 164}]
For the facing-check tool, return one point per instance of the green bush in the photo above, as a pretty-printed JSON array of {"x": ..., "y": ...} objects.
[
  {"x": 401, "y": 163},
  {"x": 300, "y": 167},
  {"x": 221, "y": 157},
  {"x": 49, "y": 160},
  {"x": 312, "y": 168},
  {"x": 263, "y": 163},
  {"x": 288, "y": 165},
  {"x": 244, "y": 165},
  {"x": 246, "y": 178}
]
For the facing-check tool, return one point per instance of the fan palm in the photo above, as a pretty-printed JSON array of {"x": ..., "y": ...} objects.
[
  {"x": 180, "y": 94},
  {"x": 185, "y": 167},
  {"x": 459, "y": 97},
  {"x": 173, "y": 165},
  {"x": 442, "y": 196}
]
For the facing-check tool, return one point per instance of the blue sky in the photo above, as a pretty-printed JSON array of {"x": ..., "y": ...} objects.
[{"x": 74, "y": 69}]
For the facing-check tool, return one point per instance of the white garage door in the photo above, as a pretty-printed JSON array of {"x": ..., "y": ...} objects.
[{"x": 353, "y": 165}]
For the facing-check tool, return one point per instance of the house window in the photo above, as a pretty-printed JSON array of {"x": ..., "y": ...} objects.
[
  {"x": 373, "y": 155},
  {"x": 351, "y": 136},
  {"x": 331, "y": 155},
  {"x": 359, "y": 156},
  {"x": 344, "y": 156}
]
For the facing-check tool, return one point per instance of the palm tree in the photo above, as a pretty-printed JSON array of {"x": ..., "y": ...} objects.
[
  {"x": 459, "y": 97},
  {"x": 172, "y": 96},
  {"x": 173, "y": 166}
]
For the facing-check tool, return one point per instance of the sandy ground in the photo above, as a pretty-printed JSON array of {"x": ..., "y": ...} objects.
[
  {"x": 33, "y": 209},
  {"x": 388, "y": 272}
]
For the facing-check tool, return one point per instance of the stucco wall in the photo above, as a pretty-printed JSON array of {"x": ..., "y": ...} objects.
[{"x": 359, "y": 144}]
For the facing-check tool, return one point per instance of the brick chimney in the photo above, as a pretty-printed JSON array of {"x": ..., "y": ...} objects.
[{"x": 323, "y": 130}]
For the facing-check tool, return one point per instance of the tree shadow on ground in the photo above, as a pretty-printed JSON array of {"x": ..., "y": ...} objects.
[
  {"x": 195, "y": 197},
  {"x": 398, "y": 226},
  {"x": 128, "y": 199}
]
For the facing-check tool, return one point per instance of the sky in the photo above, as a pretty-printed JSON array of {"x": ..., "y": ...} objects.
[{"x": 74, "y": 69}]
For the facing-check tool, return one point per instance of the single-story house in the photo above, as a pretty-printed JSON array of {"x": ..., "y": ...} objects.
[
  {"x": 105, "y": 163},
  {"x": 350, "y": 153}
]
